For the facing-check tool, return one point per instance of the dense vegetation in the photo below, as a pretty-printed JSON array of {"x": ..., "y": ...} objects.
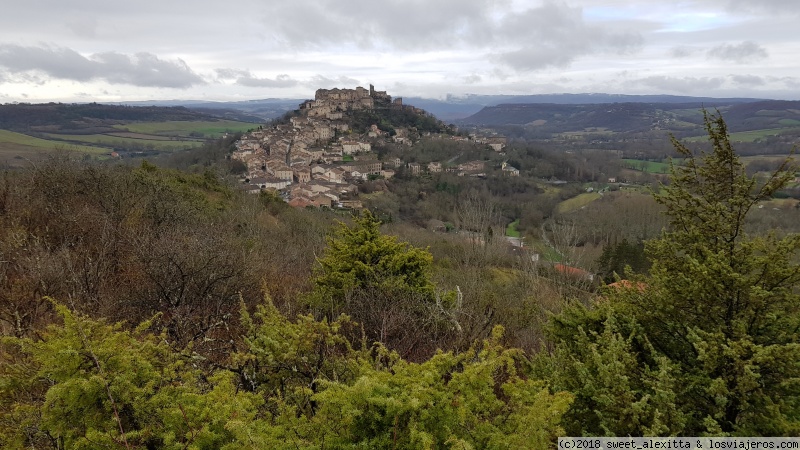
[
  {"x": 144, "y": 307},
  {"x": 59, "y": 116},
  {"x": 707, "y": 344},
  {"x": 389, "y": 118}
]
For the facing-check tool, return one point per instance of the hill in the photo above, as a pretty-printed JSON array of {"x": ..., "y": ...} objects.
[
  {"x": 456, "y": 108},
  {"x": 639, "y": 117},
  {"x": 31, "y": 130},
  {"x": 24, "y": 117},
  {"x": 451, "y": 108},
  {"x": 247, "y": 111}
]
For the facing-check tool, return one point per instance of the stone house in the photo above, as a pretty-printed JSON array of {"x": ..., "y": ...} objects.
[
  {"x": 279, "y": 170},
  {"x": 302, "y": 174}
]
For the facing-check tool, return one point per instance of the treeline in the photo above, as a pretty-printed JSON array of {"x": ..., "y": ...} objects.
[
  {"x": 389, "y": 118},
  {"x": 530, "y": 197},
  {"x": 62, "y": 116}
]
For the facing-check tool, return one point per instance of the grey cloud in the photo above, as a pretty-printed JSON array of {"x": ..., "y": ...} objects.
[
  {"x": 555, "y": 34},
  {"x": 552, "y": 34},
  {"x": 472, "y": 79},
  {"x": 403, "y": 24},
  {"x": 765, "y": 6},
  {"x": 681, "y": 51},
  {"x": 741, "y": 53},
  {"x": 681, "y": 84},
  {"x": 141, "y": 69},
  {"x": 500, "y": 74},
  {"x": 748, "y": 80},
  {"x": 231, "y": 74},
  {"x": 319, "y": 81},
  {"x": 791, "y": 82},
  {"x": 22, "y": 78},
  {"x": 85, "y": 27},
  {"x": 245, "y": 78},
  {"x": 281, "y": 81}
]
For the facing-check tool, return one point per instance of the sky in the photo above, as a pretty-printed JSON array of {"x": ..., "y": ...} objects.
[{"x": 110, "y": 51}]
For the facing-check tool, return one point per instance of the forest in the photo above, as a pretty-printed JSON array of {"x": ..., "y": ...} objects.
[{"x": 142, "y": 306}]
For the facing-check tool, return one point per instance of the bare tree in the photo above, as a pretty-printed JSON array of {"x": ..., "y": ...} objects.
[{"x": 478, "y": 219}]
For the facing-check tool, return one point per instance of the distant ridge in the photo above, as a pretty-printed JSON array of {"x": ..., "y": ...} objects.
[
  {"x": 455, "y": 108},
  {"x": 246, "y": 110},
  {"x": 639, "y": 116},
  {"x": 449, "y": 109}
]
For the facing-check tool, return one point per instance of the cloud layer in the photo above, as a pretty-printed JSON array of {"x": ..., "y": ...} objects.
[
  {"x": 142, "y": 69},
  {"x": 255, "y": 49}
]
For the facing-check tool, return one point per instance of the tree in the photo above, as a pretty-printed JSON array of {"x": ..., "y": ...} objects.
[
  {"x": 619, "y": 257},
  {"x": 361, "y": 257},
  {"x": 718, "y": 316},
  {"x": 476, "y": 399},
  {"x": 87, "y": 384},
  {"x": 385, "y": 286}
]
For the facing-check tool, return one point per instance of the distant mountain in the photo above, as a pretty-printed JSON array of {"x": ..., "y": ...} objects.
[
  {"x": 247, "y": 111},
  {"x": 763, "y": 115},
  {"x": 451, "y": 109},
  {"x": 23, "y": 117},
  {"x": 455, "y": 108},
  {"x": 639, "y": 117}
]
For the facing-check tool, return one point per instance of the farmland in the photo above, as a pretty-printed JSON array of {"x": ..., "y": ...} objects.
[
  {"x": 209, "y": 129},
  {"x": 147, "y": 137},
  {"x": 752, "y": 136},
  {"x": 115, "y": 141},
  {"x": 647, "y": 166},
  {"x": 577, "y": 202},
  {"x": 15, "y": 148}
]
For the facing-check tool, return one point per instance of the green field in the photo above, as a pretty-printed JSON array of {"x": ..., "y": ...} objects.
[
  {"x": 648, "y": 166},
  {"x": 746, "y": 136},
  {"x": 208, "y": 129},
  {"x": 10, "y": 139},
  {"x": 126, "y": 142},
  {"x": 145, "y": 136},
  {"x": 577, "y": 202},
  {"x": 511, "y": 229},
  {"x": 775, "y": 159}
]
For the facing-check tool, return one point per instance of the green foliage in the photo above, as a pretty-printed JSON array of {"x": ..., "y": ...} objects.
[
  {"x": 478, "y": 399},
  {"x": 716, "y": 322},
  {"x": 385, "y": 286},
  {"x": 288, "y": 360},
  {"x": 203, "y": 193},
  {"x": 295, "y": 384},
  {"x": 622, "y": 256},
  {"x": 622, "y": 386},
  {"x": 388, "y": 119},
  {"x": 360, "y": 257},
  {"x": 87, "y": 384}
]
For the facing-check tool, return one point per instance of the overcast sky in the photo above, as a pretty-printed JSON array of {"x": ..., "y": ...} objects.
[{"x": 103, "y": 50}]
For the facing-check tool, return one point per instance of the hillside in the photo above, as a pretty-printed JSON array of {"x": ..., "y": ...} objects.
[
  {"x": 451, "y": 108},
  {"x": 24, "y": 117},
  {"x": 456, "y": 108},
  {"x": 29, "y": 131},
  {"x": 680, "y": 118},
  {"x": 248, "y": 111}
]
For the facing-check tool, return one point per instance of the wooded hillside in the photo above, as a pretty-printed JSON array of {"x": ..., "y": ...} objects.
[{"x": 152, "y": 308}]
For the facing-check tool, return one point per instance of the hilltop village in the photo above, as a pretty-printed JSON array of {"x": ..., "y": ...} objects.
[{"x": 316, "y": 158}]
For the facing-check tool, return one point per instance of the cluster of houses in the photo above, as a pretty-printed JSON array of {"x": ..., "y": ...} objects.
[{"x": 315, "y": 159}]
